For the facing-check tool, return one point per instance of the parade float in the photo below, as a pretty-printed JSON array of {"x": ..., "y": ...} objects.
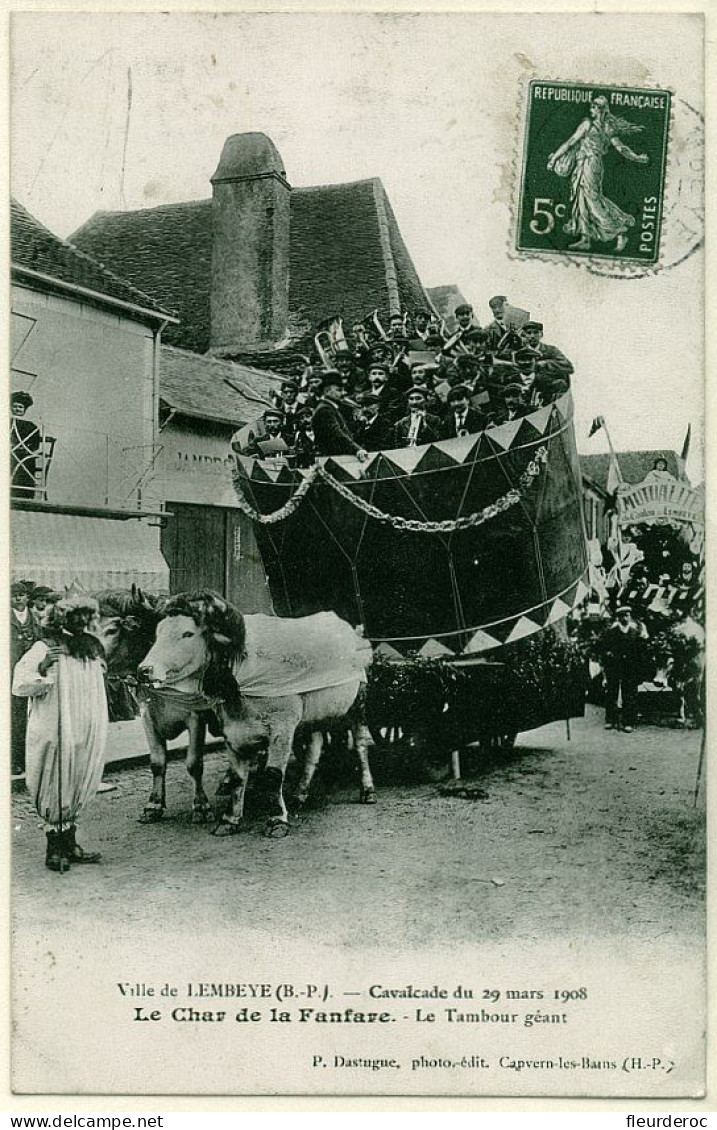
[
  {"x": 459, "y": 559},
  {"x": 655, "y": 555}
]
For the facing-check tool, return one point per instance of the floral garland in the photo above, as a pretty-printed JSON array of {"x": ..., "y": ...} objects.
[{"x": 449, "y": 525}]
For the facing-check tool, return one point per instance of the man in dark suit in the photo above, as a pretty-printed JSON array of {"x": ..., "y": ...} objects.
[
  {"x": 418, "y": 426},
  {"x": 380, "y": 385},
  {"x": 497, "y": 328},
  {"x": 549, "y": 361},
  {"x": 513, "y": 407},
  {"x": 25, "y": 439},
  {"x": 375, "y": 432},
  {"x": 331, "y": 431},
  {"x": 460, "y": 418}
]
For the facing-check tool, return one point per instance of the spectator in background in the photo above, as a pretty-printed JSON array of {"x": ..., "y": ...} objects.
[
  {"x": 23, "y": 634},
  {"x": 623, "y": 654},
  {"x": 659, "y": 473},
  {"x": 25, "y": 441},
  {"x": 42, "y": 599},
  {"x": 418, "y": 426}
]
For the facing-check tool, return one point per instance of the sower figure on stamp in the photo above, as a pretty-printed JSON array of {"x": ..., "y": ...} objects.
[
  {"x": 582, "y": 158},
  {"x": 623, "y": 657},
  {"x": 63, "y": 677}
]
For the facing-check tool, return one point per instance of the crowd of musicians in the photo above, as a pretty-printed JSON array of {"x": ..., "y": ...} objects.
[{"x": 411, "y": 383}]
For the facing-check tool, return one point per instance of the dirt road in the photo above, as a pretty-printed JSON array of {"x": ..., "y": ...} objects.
[{"x": 569, "y": 838}]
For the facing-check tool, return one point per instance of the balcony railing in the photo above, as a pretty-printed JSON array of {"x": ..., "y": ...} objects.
[{"x": 83, "y": 468}]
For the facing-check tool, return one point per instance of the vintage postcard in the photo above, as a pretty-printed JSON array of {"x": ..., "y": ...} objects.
[{"x": 358, "y": 554}]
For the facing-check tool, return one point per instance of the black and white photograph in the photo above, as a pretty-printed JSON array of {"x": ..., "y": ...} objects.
[{"x": 356, "y": 686}]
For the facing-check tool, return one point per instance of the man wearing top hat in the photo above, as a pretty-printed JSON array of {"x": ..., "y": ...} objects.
[
  {"x": 549, "y": 361},
  {"x": 419, "y": 426},
  {"x": 332, "y": 435},
  {"x": 25, "y": 438}
]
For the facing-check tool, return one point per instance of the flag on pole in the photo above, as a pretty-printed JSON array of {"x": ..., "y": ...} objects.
[
  {"x": 597, "y": 423},
  {"x": 614, "y": 478}
]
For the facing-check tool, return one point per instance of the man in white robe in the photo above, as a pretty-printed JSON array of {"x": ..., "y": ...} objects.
[{"x": 63, "y": 678}]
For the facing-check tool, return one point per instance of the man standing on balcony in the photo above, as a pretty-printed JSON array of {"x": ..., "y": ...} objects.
[{"x": 25, "y": 441}]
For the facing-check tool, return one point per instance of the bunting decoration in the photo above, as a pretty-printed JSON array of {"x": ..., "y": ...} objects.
[{"x": 445, "y": 550}]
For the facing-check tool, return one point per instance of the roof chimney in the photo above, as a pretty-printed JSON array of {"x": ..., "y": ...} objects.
[{"x": 250, "y": 246}]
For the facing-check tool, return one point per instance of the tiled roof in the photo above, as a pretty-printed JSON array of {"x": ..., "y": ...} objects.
[
  {"x": 35, "y": 248},
  {"x": 634, "y": 465},
  {"x": 209, "y": 389},
  {"x": 346, "y": 257}
]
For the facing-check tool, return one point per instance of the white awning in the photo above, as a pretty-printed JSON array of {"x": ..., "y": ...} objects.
[{"x": 94, "y": 553}]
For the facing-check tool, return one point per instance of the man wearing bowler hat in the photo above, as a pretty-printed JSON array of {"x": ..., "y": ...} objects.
[{"x": 332, "y": 435}]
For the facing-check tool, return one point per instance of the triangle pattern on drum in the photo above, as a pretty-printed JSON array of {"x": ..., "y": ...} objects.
[
  {"x": 522, "y": 627},
  {"x": 432, "y": 649},
  {"x": 459, "y": 448},
  {"x": 541, "y": 418},
  {"x": 387, "y": 652},
  {"x": 481, "y": 641},
  {"x": 558, "y": 611},
  {"x": 407, "y": 458},
  {"x": 504, "y": 434}
]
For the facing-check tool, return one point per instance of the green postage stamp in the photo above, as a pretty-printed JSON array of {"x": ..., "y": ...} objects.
[{"x": 593, "y": 171}]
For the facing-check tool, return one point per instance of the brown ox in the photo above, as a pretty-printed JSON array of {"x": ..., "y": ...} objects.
[{"x": 201, "y": 659}]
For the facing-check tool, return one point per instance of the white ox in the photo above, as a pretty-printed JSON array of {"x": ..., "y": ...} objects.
[{"x": 264, "y": 677}]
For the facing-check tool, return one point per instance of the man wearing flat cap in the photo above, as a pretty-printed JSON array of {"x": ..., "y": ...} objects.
[
  {"x": 513, "y": 407},
  {"x": 549, "y": 361},
  {"x": 375, "y": 432},
  {"x": 332, "y": 435},
  {"x": 497, "y": 328},
  {"x": 419, "y": 426},
  {"x": 461, "y": 419},
  {"x": 25, "y": 438},
  {"x": 623, "y": 646},
  {"x": 270, "y": 442}
]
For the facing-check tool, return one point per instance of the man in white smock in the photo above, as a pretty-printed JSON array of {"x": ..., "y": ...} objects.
[{"x": 62, "y": 675}]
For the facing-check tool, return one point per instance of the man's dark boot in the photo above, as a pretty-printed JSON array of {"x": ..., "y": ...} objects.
[
  {"x": 56, "y": 856},
  {"x": 74, "y": 852}
]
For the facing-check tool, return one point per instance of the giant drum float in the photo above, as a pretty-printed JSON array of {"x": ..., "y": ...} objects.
[{"x": 447, "y": 552}]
